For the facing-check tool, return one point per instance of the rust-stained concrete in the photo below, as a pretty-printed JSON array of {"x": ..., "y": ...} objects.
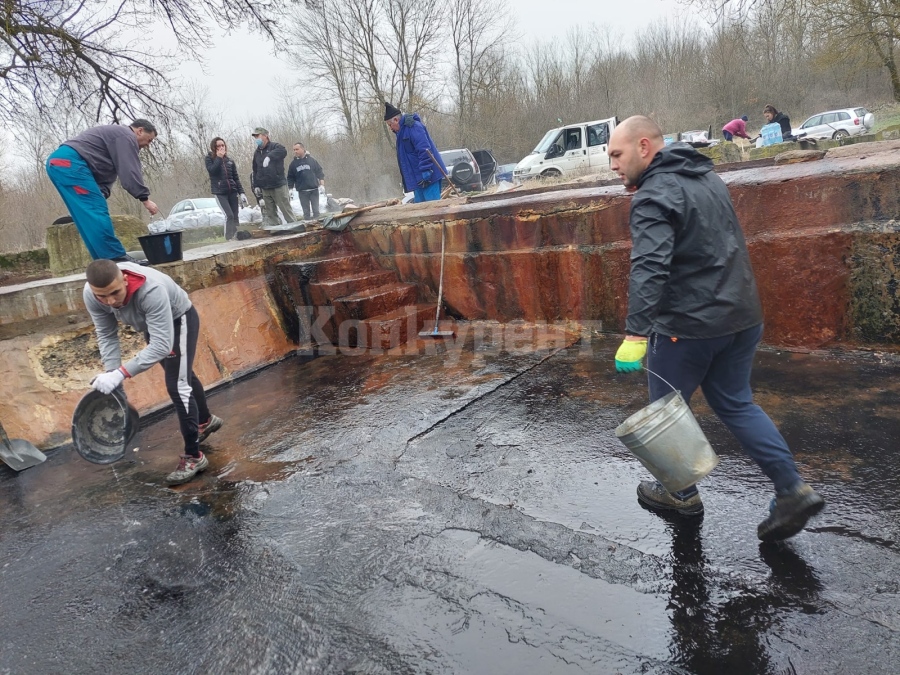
[
  {"x": 823, "y": 237},
  {"x": 565, "y": 255},
  {"x": 47, "y": 364}
]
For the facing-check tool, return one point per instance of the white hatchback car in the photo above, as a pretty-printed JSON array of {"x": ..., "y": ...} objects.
[{"x": 837, "y": 124}]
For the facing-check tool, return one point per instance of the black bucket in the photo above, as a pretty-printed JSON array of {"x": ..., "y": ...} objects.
[{"x": 163, "y": 247}]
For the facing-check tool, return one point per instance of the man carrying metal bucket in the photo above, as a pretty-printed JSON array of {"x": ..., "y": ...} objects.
[
  {"x": 154, "y": 304},
  {"x": 693, "y": 295}
]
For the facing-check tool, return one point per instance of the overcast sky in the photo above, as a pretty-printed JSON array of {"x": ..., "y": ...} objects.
[{"x": 242, "y": 69}]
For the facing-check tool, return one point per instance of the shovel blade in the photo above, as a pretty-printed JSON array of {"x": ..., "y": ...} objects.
[{"x": 20, "y": 455}]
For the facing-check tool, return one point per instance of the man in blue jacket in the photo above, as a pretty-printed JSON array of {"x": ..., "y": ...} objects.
[
  {"x": 692, "y": 294},
  {"x": 83, "y": 170},
  {"x": 421, "y": 167}
]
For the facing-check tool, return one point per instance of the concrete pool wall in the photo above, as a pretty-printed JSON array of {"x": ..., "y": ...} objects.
[{"x": 823, "y": 235}]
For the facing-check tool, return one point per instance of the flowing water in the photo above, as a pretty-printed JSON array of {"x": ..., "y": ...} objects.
[{"x": 461, "y": 511}]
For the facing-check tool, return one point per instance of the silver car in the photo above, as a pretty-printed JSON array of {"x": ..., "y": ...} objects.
[{"x": 837, "y": 124}]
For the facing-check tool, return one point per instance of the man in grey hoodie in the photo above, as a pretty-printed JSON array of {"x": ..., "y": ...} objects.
[
  {"x": 692, "y": 294},
  {"x": 83, "y": 170},
  {"x": 154, "y": 304}
]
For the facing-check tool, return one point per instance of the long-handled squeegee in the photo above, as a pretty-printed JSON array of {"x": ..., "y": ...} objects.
[{"x": 435, "y": 333}]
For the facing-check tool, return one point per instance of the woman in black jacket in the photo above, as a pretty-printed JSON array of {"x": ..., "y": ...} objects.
[{"x": 225, "y": 184}]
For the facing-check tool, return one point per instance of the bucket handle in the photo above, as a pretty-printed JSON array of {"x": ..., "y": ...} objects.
[{"x": 662, "y": 378}]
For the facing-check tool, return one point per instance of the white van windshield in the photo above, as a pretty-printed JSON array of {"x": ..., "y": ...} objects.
[{"x": 546, "y": 142}]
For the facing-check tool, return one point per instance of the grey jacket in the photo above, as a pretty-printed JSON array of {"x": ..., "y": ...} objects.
[
  {"x": 112, "y": 150},
  {"x": 690, "y": 272},
  {"x": 152, "y": 310}
]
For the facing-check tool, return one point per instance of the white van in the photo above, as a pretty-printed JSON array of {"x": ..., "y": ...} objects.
[{"x": 564, "y": 150}]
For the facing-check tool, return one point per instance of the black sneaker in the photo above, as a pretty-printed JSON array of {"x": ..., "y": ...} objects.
[
  {"x": 213, "y": 425},
  {"x": 654, "y": 495},
  {"x": 789, "y": 512}
]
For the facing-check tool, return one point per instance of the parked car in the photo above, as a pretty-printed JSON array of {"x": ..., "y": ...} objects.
[
  {"x": 837, "y": 124},
  {"x": 568, "y": 149},
  {"x": 505, "y": 172},
  {"x": 463, "y": 169},
  {"x": 487, "y": 165}
]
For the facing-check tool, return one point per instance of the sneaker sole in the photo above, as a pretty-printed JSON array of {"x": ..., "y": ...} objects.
[
  {"x": 788, "y": 528},
  {"x": 656, "y": 506}
]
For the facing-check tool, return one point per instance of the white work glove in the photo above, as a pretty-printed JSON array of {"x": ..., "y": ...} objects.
[
  {"x": 244, "y": 201},
  {"x": 266, "y": 162},
  {"x": 105, "y": 383}
]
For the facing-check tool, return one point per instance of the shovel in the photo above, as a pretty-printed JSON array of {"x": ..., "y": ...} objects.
[
  {"x": 338, "y": 222},
  {"x": 19, "y": 454}
]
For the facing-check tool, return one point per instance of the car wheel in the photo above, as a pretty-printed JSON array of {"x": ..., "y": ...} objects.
[
  {"x": 551, "y": 173},
  {"x": 840, "y": 133}
]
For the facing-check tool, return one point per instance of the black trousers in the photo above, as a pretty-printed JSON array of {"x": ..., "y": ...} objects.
[
  {"x": 229, "y": 204},
  {"x": 309, "y": 200},
  {"x": 184, "y": 387}
]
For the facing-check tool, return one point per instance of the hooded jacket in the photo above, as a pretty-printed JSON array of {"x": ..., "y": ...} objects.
[
  {"x": 268, "y": 166},
  {"x": 223, "y": 175},
  {"x": 152, "y": 309},
  {"x": 304, "y": 173},
  {"x": 413, "y": 144},
  {"x": 690, "y": 271}
]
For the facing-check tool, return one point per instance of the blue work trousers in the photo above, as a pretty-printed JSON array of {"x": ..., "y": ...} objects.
[
  {"x": 430, "y": 194},
  {"x": 721, "y": 368},
  {"x": 75, "y": 183}
]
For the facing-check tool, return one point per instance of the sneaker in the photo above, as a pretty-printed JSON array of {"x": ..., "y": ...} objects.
[
  {"x": 213, "y": 425},
  {"x": 188, "y": 467},
  {"x": 654, "y": 495},
  {"x": 789, "y": 512},
  {"x": 125, "y": 258}
]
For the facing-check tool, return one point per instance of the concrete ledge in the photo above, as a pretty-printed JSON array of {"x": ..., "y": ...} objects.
[{"x": 201, "y": 268}]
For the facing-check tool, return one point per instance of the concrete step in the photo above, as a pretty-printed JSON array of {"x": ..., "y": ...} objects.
[
  {"x": 394, "y": 329},
  {"x": 375, "y": 301},
  {"x": 335, "y": 267},
  {"x": 326, "y": 291}
]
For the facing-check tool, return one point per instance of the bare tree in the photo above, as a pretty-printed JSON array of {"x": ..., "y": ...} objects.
[
  {"x": 75, "y": 54},
  {"x": 411, "y": 46},
  {"x": 479, "y": 33}
]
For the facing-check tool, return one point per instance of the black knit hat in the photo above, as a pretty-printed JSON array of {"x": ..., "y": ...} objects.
[{"x": 390, "y": 111}]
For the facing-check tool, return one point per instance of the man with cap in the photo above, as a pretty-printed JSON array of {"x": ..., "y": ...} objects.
[
  {"x": 83, "y": 170},
  {"x": 734, "y": 128},
  {"x": 154, "y": 304},
  {"x": 269, "y": 178},
  {"x": 421, "y": 167}
]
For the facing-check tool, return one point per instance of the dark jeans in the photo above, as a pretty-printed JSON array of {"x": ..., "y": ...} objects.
[
  {"x": 229, "y": 204},
  {"x": 727, "y": 135},
  {"x": 184, "y": 387},
  {"x": 309, "y": 200},
  {"x": 721, "y": 368}
]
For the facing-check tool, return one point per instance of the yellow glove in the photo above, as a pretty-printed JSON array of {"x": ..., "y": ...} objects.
[{"x": 630, "y": 355}]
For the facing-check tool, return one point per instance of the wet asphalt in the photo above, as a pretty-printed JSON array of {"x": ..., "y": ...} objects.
[{"x": 460, "y": 510}]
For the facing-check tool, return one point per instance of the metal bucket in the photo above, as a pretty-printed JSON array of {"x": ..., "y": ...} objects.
[
  {"x": 103, "y": 426},
  {"x": 666, "y": 438}
]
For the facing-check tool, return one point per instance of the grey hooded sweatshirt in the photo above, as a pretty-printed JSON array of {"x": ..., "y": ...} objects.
[
  {"x": 152, "y": 309},
  {"x": 112, "y": 150},
  {"x": 690, "y": 271}
]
